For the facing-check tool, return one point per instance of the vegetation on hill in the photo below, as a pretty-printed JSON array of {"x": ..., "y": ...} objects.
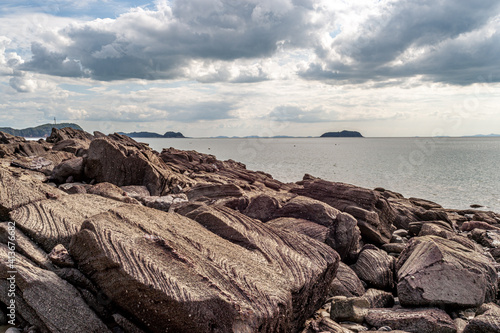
[{"x": 38, "y": 131}]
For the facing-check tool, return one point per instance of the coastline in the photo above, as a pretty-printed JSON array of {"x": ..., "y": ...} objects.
[{"x": 128, "y": 227}]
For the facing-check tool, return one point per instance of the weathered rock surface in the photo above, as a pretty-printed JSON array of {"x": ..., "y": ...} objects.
[
  {"x": 412, "y": 320},
  {"x": 349, "y": 309},
  {"x": 48, "y": 297},
  {"x": 346, "y": 283},
  {"x": 375, "y": 267},
  {"x": 379, "y": 298},
  {"x": 71, "y": 168},
  {"x": 164, "y": 203},
  {"x": 111, "y": 191},
  {"x": 486, "y": 321},
  {"x": 225, "y": 273},
  {"x": 18, "y": 188},
  {"x": 305, "y": 227},
  {"x": 121, "y": 161},
  {"x": 68, "y": 133},
  {"x": 50, "y": 222},
  {"x": 372, "y": 211},
  {"x": 436, "y": 271},
  {"x": 217, "y": 191}
]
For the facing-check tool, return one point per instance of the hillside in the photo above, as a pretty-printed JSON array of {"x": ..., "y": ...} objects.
[{"x": 38, "y": 131}]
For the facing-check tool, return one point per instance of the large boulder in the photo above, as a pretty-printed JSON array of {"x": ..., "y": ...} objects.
[
  {"x": 375, "y": 267},
  {"x": 373, "y": 212},
  {"x": 437, "y": 271},
  {"x": 50, "y": 222},
  {"x": 68, "y": 133},
  {"x": 18, "y": 189},
  {"x": 44, "y": 298},
  {"x": 346, "y": 283},
  {"x": 122, "y": 161},
  {"x": 343, "y": 233},
  {"x": 71, "y": 168},
  {"x": 224, "y": 273}
]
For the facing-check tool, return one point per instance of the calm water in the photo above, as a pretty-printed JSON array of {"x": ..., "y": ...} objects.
[{"x": 454, "y": 172}]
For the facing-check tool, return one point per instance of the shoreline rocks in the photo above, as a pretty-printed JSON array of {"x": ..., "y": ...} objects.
[{"x": 125, "y": 239}]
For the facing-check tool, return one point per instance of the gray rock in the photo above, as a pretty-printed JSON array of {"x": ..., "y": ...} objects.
[
  {"x": 412, "y": 320},
  {"x": 349, "y": 309}
]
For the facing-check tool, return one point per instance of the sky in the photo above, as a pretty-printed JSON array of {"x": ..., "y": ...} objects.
[{"x": 385, "y": 68}]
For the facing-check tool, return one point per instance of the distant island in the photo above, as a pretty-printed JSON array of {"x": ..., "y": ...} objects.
[
  {"x": 38, "y": 131},
  {"x": 343, "y": 134},
  {"x": 169, "y": 134}
]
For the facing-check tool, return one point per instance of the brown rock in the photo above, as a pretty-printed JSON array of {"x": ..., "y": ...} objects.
[
  {"x": 349, "y": 309},
  {"x": 48, "y": 300},
  {"x": 486, "y": 321},
  {"x": 136, "y": 191},
  {"x": 60, "y": 256},
  {"x": 74, "y": 146},
  {"x": 322, "y": 325},
  {"x": 379, "y": 298},
  {"x": 111, "y": 191},
  {"x": 122, "y": 161},
  {"x": 214, "y": 191},
  {"x": 471, "y": 225},
  {"x": 18, "y": 189},
  {"x": 301, "y": 226},
  {"x": 412, "y": 320},
  {"x": 436, "y": 271},
  {"x": 70, "y": 168},
  {"x": 375, "y": 267},
  {"x": 165, "y": 202},
  {"x": 67, "y": 133},
  {"x": 50, "y": 222},
  {"x": 226, "y": 273},
  {"x": 262, "y": 207},
  {"x": 488, "y": 238},
  {"x": 346, "y": 283}
]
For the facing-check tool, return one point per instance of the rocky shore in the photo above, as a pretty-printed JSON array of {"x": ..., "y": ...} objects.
[{"x": 111, "y": 236}]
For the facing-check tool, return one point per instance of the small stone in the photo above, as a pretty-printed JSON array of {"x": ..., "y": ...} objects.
[
  {"x": 385, "y": 329},
  {"x": 400, "y": 233},
  {"x": 395, "y": 239},
  {"x": 60, "y": 256},
  {"x": 349, "y": 309}
]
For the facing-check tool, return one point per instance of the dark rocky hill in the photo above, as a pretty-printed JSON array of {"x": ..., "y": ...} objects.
[
  {"x": 38, "y": 131},
  {"x": 343, "y": 134}
]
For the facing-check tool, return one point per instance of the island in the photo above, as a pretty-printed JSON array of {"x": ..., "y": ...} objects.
[
  {"x": 169, "y": 134},
  {"x": 343, "y": 134},
  {"x": 39, "y": 131}
]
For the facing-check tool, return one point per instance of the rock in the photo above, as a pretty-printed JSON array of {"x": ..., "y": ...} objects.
[
  {"x": 375, "y": 267},
  {"x": 354, "y": 327},
  {"x": 111, "y": 191},
  {"x": 6, "y": 138},
  {"x": 135, "y": 191},
  {"x": 70, "y": 168},
  {"x": 342, "y": 196},
  {"x": 165, "y": 202},
  {"x": 324, "y": 324},
  {"x": 226, "y": 272},
  {"x": 415, "y": 227},
  {"x": 487, "y": 320},
  {"x": 67, "y": 133},
  {"x": 393, "y": 247},
  {"x": 471, "y": 225},
  {"x": 343, "y": 236},
  {"x": 401, "y": 233},
  {"x": 74, "y": 188},
  {"x": 424, "y": 203},
  {"x": 379, "y": 298},
  {"x": 50, "y": 298},
  {"x": 60, "y": 256},
  {"x": 74, "y": 146},
  {"x": 262, "y": 207},
  {"x": 349, "y": 309},
  {"x": 50, "y": 222},
  {"x": 17, "y": 189},
  {"x": 122, "y": 161},
  {"x": 436, "y": 271},
  {"x": 412, "y": 320},
  {"x": 346, "y": 283},
  {"x": 305, "y": 227},
  {"x": 214, "y": 191},
  {"x": 128, "y": 326}
]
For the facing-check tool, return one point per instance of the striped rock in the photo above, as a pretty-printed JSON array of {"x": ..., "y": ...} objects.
[
  {"x": 50, "y": 222},
  {"x": 412, "y": 320},
  {"x": 224, "y": 273},
  {"x": 346, "y": 283},
  {"x": 488, "y": 320},
  {"x": 375, "y": 267}
]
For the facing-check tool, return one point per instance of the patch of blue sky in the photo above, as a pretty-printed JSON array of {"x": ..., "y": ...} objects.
[
  {"x": 336, "y": 32},
  {"x": 81, "y": 89}
]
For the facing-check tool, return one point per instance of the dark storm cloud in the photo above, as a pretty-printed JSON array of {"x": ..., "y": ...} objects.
[
  {"x": 437, "y": 29},
  {"x": 161, "y": 43}
]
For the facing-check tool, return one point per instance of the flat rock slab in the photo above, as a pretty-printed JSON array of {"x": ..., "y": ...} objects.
[
  {"x": 18, "y": 189},
  {"x": 50, "y": 222},
  {"x": 225, "y": 273},
  {"x": 412, "y": 320},
  {"x": 437, "y": 271},
  {"x": 49, "y": 298}
]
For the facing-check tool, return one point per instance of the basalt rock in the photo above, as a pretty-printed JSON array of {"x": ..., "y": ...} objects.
[
  {"x": 436, "y": 271},
  {"x": 224, "y": 273},
  {"x": 121, "y": 161},
  {"x": 375, "y": 267}
]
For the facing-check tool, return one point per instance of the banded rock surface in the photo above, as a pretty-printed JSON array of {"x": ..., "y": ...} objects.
[{"x": 224, "y": 273}]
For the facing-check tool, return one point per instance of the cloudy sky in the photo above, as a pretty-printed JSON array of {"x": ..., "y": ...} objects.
[{"x": 253, "y": 67}]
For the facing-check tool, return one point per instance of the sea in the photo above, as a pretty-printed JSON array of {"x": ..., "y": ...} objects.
[{"x": 454, "y": 172}]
